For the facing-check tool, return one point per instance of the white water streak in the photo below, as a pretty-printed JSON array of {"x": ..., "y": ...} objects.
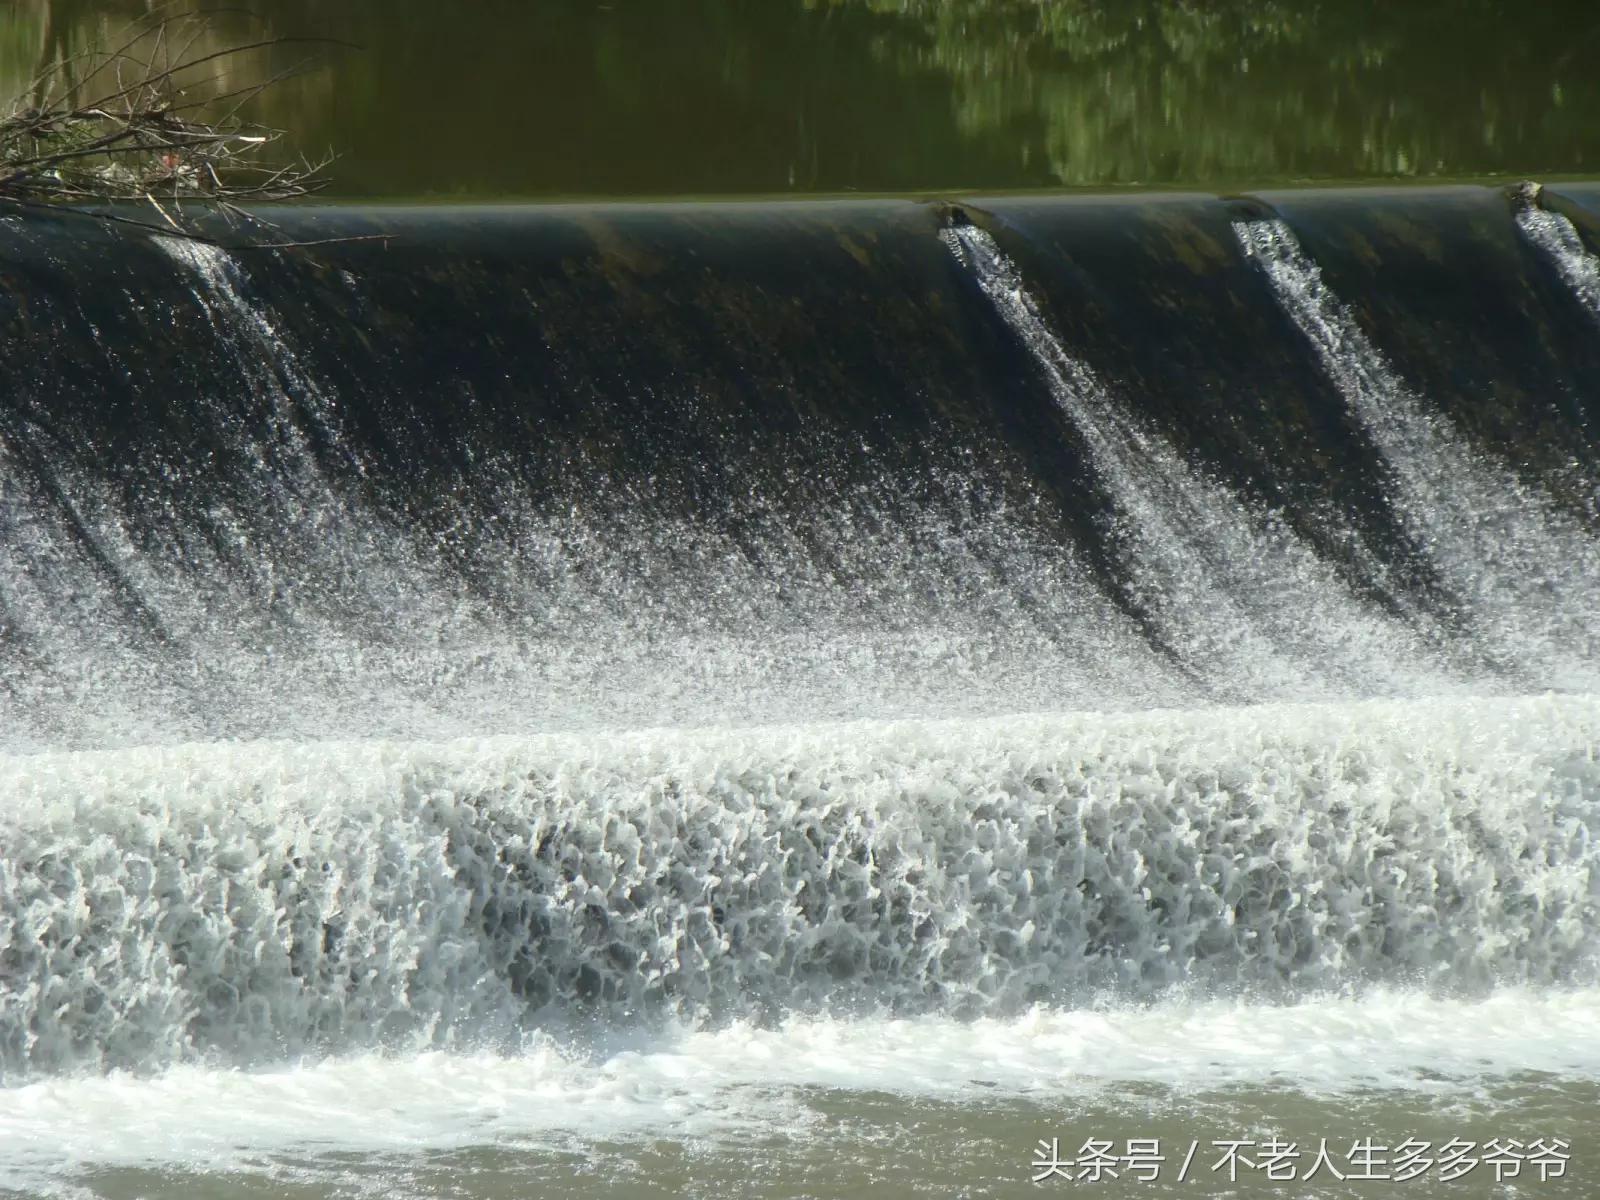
[
  {"x": 358, "y": 581},
  {"x": 1243, "y": 601},
  {"x": 1526, "y": 574},
  {"x": 1558, "y": 238}
]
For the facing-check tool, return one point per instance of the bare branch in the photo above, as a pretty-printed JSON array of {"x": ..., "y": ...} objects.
[{"x": 125, "y": 123}]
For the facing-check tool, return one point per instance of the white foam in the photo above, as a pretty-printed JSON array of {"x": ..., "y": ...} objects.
[
  {"x": 746, "y": 1080},
  {"x": 244, "y": 905}
]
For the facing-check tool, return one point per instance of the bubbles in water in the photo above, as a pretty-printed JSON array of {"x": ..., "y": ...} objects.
[{"x": 244, "y": 904}]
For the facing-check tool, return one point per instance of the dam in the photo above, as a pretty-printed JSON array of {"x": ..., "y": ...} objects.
[{"x": 479, "y": 677}]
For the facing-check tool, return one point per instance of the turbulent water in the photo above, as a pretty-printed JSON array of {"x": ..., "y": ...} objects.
[
  {"x": 432, "y": 755},
  {"x": 1522, "y": 571},
  {"x": 1557, "y": 237}
]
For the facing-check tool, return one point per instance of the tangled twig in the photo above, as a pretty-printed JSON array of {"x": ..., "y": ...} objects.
[{"x": 142, "y": 122}]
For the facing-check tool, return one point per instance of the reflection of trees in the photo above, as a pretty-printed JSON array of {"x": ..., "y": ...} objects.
[
  {"x": 566, "y": 96},
  {"x": 70, "y": 28},
  {"x": 63, "y": 33},
  {"x": 1218, "y": 90},
  {"x": 636, "y": 96},
  {"x": 1104, "y": 80}
]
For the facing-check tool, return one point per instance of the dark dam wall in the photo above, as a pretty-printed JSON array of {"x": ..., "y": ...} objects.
[{"x": 685, "y": 463}]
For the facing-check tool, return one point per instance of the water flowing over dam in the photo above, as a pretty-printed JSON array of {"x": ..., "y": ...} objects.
[{"x": 1010, "y": 641}]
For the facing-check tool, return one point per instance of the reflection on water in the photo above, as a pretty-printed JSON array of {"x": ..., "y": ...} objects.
[
  {"x": 1163, "y": 91},
  {"x": 632, "y": 97}
]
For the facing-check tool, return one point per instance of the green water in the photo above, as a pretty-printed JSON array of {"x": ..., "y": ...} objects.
[
  {"x": 851, "y": 1145},
  {"x": 700, "y": 97}
]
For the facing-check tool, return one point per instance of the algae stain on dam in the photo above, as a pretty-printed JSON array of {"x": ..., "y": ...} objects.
[{"x": 569, "y": 724}]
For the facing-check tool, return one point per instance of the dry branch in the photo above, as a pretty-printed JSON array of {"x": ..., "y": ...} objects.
[{"x": 142, "y": 122}]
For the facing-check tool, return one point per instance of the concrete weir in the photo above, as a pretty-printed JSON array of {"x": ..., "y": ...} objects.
[{"x": 493, "y": 677}]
